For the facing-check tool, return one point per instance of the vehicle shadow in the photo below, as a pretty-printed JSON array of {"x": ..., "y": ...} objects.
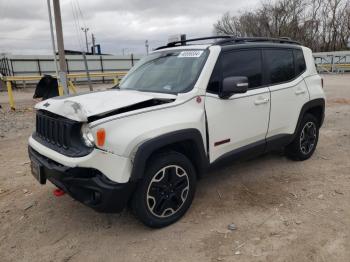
[
  {"x": 261, "y": 182},
  {"x": 237, "y": 185}
]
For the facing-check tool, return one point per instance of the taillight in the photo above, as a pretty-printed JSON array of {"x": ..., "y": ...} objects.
[{"x": 322, "y": 82}]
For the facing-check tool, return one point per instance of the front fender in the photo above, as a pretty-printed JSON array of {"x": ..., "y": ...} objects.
[{"x": 146, "y": 149}]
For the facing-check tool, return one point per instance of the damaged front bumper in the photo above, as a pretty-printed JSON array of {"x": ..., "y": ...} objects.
[
  {"x": 116, "y": 168},
  {"x": 87, "y": 185}
]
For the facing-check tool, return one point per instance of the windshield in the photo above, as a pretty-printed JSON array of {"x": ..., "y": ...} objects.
[{"x": 173, "y": 72}]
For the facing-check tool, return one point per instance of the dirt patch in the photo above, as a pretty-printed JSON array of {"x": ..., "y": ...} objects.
[
  {"x": 339, "y": 101},
  {"x": 283, "y": 210}
]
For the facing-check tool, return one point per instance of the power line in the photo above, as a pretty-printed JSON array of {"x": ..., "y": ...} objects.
[
  {"x": 77, "y": 26},
  {"x": 81, "y": 13},
  {"x": 77, "y": 23}
]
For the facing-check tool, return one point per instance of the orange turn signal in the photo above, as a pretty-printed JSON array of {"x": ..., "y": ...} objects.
[{"x": 101, "y": 136}]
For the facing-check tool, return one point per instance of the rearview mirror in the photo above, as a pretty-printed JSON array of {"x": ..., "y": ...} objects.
[{"x": 233, "y": 85}]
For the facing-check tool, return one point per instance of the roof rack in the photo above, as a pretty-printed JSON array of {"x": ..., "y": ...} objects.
[
  {"x": 227, "y": 39},
  {"x": 281, "y": 40},
  {"x": 182, "y": 42}
]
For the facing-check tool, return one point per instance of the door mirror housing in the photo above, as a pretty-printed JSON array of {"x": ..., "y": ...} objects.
[{"x": 233, "y": 85}]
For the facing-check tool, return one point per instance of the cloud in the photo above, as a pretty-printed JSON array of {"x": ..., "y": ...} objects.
[
  {"x": 22, "y": 10},
  {"x": 117, "y": 24}
]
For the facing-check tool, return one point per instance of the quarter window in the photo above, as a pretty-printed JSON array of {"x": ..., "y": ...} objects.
[
  {"x": 300, "y": 65},
  {"x": 280, "y": 63}
]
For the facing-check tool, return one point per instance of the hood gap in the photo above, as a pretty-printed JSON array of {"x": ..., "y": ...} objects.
[{"x": 137, "y": 106}]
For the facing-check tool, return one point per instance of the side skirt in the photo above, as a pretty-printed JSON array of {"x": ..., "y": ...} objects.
[
  {"x": 242, "y": 153},
  {"x": 253, "y": 150},
  {"x": 278, "y": 141}
]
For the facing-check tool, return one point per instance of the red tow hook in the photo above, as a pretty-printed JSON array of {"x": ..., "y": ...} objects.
[{"x": 58, "y": 192}]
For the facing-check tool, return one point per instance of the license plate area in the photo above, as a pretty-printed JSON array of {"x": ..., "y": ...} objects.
[{"x": 37, "y": 171}]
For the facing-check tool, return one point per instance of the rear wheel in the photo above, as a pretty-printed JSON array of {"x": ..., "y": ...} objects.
[
  {"x": 305, "y": 141},
  {"x": 167, "y": 190}
]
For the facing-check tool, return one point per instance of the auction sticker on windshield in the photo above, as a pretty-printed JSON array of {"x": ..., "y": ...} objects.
[{"x": 192, "y": 53}]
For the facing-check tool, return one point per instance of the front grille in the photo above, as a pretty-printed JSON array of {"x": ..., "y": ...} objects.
[
  {"x": 53, "y": 130},
  {"x": 60, "y": 134}
]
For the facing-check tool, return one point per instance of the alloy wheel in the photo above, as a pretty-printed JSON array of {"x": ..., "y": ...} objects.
[
  {"x": 308, "y": 137},
  {"x": 167, "y": 191}
]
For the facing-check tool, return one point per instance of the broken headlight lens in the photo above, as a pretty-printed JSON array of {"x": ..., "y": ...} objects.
[{"x": 87, "y": 136}]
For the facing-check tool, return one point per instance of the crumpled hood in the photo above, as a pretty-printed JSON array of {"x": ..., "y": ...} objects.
[{"x": 80, "y": 107}]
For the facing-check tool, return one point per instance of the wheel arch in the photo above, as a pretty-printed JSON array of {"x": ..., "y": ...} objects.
[
  {"x": 316, "y": 107},
  {"x": 186, "y": 141}
]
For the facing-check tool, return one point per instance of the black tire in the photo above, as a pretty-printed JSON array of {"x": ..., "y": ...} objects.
[
  {"x": 166, "y": 191},
  {"x": 305, "y": 141}
]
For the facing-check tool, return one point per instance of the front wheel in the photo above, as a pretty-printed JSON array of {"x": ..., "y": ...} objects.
[
  {"x": 166, "y": 191},
  {"x": 305, "y": 141}
]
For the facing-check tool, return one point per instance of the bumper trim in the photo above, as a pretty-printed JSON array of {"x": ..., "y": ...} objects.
[{"x": 87, "y": 185}]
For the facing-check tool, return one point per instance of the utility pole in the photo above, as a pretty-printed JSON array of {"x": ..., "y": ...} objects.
[
  {"x": 87, "y": 72},
  {"x": 85, "y": 30},
  {"x": 147, "y": 46},
  {"x": 93, "y": 43},
  {"x": 60, "y": 45},
  {"x": 52, "y": 38}
]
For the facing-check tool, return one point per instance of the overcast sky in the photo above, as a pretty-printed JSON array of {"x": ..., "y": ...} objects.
[{"x": 117, "y": 24}]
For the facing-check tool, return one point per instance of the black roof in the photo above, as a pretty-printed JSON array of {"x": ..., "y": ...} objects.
[{"x": 231, "y": 40}]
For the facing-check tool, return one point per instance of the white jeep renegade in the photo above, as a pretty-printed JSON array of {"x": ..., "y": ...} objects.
[{"x": 180, "y": 110}]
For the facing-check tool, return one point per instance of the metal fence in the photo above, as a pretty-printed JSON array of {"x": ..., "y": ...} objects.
[
  {"x": 333, "y": 62},
  {"x": 25, "y": 65}
]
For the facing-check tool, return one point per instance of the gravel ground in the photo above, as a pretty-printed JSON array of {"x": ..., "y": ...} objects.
[{"x": 283, "y": 210}]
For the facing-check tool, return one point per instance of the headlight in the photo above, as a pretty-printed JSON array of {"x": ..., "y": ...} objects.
[{"x": 87, "y": 136}]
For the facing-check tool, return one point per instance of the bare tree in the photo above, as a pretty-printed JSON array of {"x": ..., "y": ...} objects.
[{"x": 323, "y": 25}]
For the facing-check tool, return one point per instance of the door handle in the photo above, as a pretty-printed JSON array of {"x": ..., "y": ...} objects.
[
  {"x": 300, "y": 91},
  {"x": 261, "y": 101}
]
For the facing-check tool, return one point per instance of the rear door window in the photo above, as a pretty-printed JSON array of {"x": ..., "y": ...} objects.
[{"x": 280, "y": 65}]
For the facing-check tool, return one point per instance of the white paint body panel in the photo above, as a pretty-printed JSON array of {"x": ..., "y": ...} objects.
[
  {"x": 125, "y": 133},
  {"x": 311, "y": 77},
  {"x": 243, "y": 118},
  {"x": 116, "y": 168},
  {"x": 286, "y": 102},
  {"x": 80, "y": 107},
  {"x": 287, "y": 99},
  {"x": 314, "y": 85}
]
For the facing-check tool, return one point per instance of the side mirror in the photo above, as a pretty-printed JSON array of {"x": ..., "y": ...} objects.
[{"x": 233, "y": 85}]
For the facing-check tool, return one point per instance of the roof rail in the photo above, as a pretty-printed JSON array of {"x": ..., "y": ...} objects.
[
  {"x": 281, "y": 40},
  {"x": 172, "y": 44},
  {"x": 226, "y": 39}
]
